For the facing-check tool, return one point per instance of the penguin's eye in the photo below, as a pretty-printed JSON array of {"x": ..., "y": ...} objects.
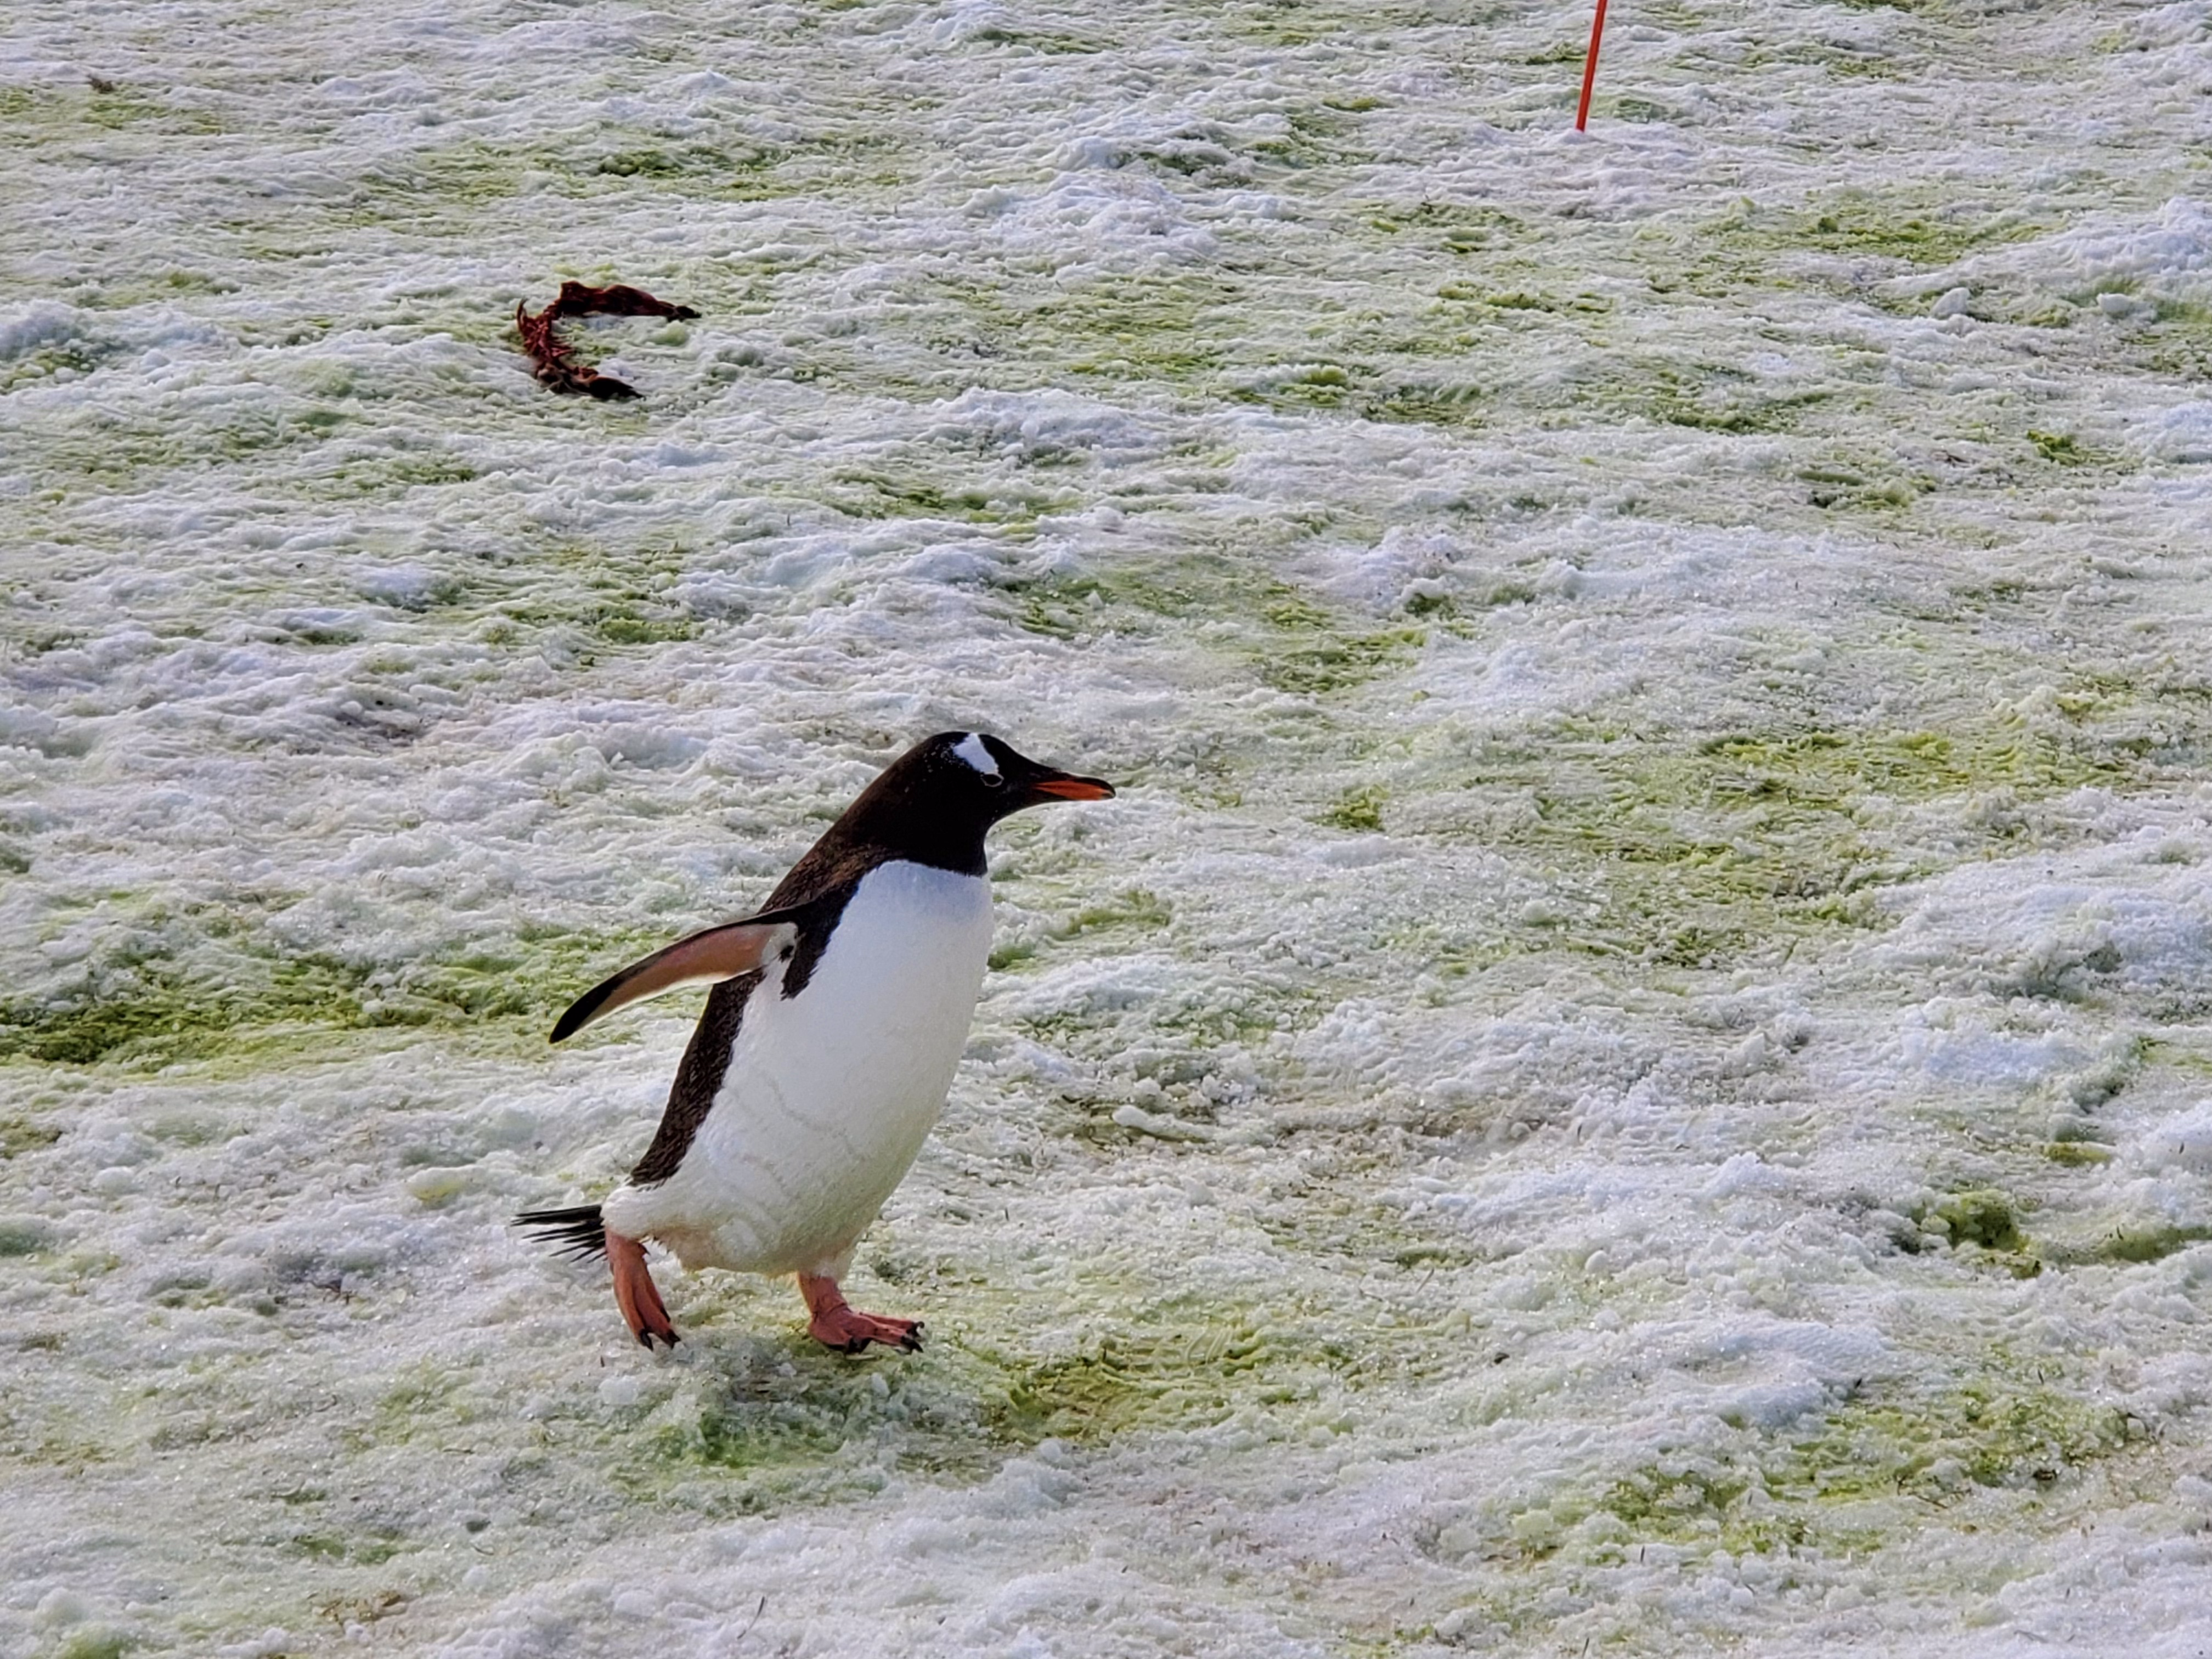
[{"x": 992, "y": 781}]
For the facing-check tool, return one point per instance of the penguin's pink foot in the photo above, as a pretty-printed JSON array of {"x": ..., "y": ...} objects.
[
  {"x": 636, "y": 1293},
  {"x": 836, "y": 1325}
]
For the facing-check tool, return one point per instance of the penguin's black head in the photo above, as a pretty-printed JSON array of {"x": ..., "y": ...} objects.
[
  {"x": 935, "y": 801},
  {"x": 975, "y": 772}
]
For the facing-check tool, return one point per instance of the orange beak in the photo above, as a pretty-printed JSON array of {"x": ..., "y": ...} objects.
[{"x": 1073, "y": 788}]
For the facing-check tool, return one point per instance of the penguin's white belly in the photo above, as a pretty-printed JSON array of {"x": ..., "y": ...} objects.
[{"x": 830, "y": 1093}]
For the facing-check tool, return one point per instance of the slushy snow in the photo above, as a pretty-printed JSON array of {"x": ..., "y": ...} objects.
[{"x": 1630, "y": 1070}]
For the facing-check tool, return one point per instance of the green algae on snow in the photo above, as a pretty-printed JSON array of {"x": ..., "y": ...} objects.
[
  {"x": 1718, "y": 398},
  {"x": 2153, "y": 1243},
  {"x": 217, "y": 991},
  {"x": 1834, "y": 1490},
  {"x": 1981, "y": 1217},
  {"x": 1135, "y": 909},
  {"x": 1913, "y": 231},
  {"x": 1990, "y": 1433},
  {"x": 1174, "y": 328},
  {"x": 1359, "y": 811},
  {"x": 1699, "y": 850},
  {"x": 954, "y": 1413},
  {"x": 35, "y": 117},
  {"x": 18, "y": 1136},
  {"x": 1121, "y": 1383},
  {"x": 789, "y": 1426},
  {"x": 153, "y": 1012},
  {"x": 1288, "y": 641}
]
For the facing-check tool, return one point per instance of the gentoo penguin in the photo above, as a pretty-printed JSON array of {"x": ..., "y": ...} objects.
[{"x": 838, "y": 1013}]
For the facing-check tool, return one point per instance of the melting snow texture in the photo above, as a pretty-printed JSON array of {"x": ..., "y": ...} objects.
[{"x": 1630, "y": 1071}]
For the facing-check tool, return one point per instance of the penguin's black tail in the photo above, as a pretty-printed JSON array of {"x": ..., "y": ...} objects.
[{"x": 581, "y": 1232}]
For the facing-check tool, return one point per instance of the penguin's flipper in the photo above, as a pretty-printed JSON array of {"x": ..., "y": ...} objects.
[{"x": 706, "y": 958}]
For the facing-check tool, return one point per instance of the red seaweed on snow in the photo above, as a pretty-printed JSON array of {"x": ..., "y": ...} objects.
[{"x": 555, "y": 359}]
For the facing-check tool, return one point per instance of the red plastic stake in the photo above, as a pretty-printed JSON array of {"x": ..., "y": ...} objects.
[{"x": 1589, "y": 67}]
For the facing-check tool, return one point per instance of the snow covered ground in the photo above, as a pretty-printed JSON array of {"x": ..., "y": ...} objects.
[{"x": 1632, "y": 1071}]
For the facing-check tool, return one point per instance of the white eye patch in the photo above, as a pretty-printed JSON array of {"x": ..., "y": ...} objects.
[{"x": 971, "y": 749}]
